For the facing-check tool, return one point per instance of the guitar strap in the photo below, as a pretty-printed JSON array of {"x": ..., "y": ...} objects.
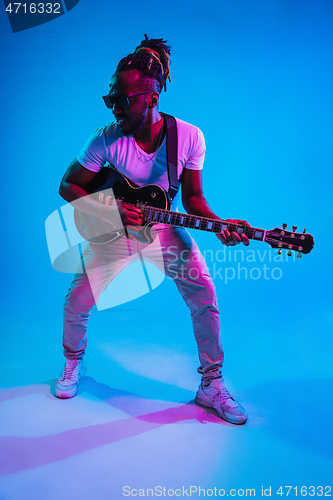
[{"x": 172, "y": 155}]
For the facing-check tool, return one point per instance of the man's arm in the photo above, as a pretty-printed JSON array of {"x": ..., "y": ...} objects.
[
  {"x": 72, "y": 190},
  {"x": 195, "y": 203}
]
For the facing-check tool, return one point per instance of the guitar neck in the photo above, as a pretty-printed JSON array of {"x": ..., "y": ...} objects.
[{"x": 159, "y": 215}]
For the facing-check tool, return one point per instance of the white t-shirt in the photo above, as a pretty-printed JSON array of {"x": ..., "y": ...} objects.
[{"x": 108, "y": 144}]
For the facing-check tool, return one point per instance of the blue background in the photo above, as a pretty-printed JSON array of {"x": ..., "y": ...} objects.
[{"x": 257, "y": 78}]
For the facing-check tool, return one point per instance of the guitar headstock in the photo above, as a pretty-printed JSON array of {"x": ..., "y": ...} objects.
[{"x": 290, "y": 240}]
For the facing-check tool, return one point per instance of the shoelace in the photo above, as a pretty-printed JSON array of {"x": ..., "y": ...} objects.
[
  {"x": 70, "y": 371},
  {"x": 222, "y": 395}
]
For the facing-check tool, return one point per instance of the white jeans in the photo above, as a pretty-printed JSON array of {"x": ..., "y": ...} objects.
[{"x": 177, "y": 255}]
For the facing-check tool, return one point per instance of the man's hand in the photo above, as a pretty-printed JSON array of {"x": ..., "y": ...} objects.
[
  {"x": 130, "y": 214},
  {"x": 233, "y": 238}
]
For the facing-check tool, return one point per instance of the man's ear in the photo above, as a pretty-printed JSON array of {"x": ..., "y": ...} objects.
[{"x": 154, "y": 99}]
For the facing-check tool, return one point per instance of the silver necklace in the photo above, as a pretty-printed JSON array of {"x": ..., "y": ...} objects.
[{"x": 139, "y": 153}]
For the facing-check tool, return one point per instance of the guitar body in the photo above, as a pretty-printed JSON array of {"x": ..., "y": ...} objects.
[{"x": 107, "y": 186}]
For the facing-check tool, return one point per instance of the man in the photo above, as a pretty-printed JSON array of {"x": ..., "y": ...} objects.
[{"x": 135, "y": 144}]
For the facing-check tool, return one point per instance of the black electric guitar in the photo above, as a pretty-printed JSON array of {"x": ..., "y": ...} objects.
[{"x": 109, "y": 185}]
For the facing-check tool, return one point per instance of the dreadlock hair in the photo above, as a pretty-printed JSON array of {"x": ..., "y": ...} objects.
[{"x": 151, "y": 58}]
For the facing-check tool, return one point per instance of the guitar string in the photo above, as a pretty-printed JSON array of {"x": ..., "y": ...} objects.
[
  {"x": 272, "y": 240},
  {"x": 189, "y": 218}
]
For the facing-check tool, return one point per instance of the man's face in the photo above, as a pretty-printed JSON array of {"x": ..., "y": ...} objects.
[{"x": 126, "y": 83}]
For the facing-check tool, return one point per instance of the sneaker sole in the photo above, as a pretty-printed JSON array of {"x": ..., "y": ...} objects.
[
  {"x": 204, "y": 403},
  {"x": 66, "y": 394}
]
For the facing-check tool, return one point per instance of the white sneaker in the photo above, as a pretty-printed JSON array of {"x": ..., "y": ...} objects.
[
  {"x": 68, "y": 382},
  {"x": 216, "y": 396}
]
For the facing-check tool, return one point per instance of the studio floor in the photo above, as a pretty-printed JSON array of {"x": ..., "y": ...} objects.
[{"x": 134, "y": 429}]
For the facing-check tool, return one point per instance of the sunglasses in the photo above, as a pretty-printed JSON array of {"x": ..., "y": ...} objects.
[{"x": 121, "y": 100}]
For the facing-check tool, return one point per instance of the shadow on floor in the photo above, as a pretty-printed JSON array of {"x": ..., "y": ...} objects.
[
  {"x": 145, "y": 415},
  {"x": 293, "y": 410}
]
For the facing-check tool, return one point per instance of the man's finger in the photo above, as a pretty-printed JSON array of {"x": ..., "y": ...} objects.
[
  {"x": 131, "y": 208},
  {"x": 221, "y": 237},
  {"x": 228, "y": 238},
  {"x": 245, "y": 240},
  {"x": 236, "y": 237}
]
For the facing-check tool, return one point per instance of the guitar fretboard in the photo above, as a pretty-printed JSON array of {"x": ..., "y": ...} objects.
[{"x": 159, "y": 215}]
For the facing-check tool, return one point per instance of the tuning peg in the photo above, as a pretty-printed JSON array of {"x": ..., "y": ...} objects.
[
  {"x": 299, "y": 255},
  {"x": 289, "y": 253},
  {"x": 284, "y": 226},
  {"x": 279, "y": 251},
  {"x": 294, "y": 228},
  {"x": 304, "y": 230}
]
